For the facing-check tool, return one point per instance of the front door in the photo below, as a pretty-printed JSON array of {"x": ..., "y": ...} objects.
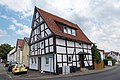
[
  {"x": 82, "y": 61},
  {"x": 39, "y": 63}
]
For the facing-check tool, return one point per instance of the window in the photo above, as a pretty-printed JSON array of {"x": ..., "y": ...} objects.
[
  {"x": 47, "y": 60},
  {"x": 69, "y": 58},
  {"x": 42, "y": 34},
  {"x": 73, "y": 32},
  {"x": 32, "y": 60},
  {"x": 69, "y": 30},
  {"x": 42, "y": 44},
  {"x": 35, "y": 60},
  {"x": 46, "y": 42},
  {"x": 65, "y": 29},
  {"x": 80, "y": 44},
  {"x": 36, "y": 46},
  {"x": 51, "y": 48}
]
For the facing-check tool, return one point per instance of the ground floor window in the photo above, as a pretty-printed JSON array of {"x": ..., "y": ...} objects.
[{"x": 47, "y": 60}]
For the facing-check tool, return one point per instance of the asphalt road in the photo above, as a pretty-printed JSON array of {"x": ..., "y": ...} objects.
[
  {"x": 113, "y": 74},
  {"x": 3, "y": 73}
]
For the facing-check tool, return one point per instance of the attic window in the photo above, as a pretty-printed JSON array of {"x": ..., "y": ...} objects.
[
  {"x": 65, "y": 29},
  {"x": 69, "y": 30}
]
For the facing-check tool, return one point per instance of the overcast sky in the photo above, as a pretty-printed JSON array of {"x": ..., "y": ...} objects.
[{"x": 99, "y": 19}]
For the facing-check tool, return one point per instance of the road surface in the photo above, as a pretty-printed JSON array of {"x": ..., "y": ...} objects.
[
  {"x": 3, "y": 73},
  {"x": 113, "y": 74}
]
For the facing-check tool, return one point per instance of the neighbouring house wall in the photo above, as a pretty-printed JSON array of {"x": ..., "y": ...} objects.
[
  {"x": 8, "y": 57},
  {"x": 20, "y": 56},
  {"x": 15, "y": 57},
  {"x": 102, "y": 55},
  {"x": 25, "y": 54}
]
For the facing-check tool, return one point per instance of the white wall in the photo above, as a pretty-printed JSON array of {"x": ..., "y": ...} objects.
[
  {"x": 70, "y": 51},
  {"x": 47, "y": 67},
  {"x": 60, "y": 41},
  {"x": 102, "y": 56},
  {"x": 33, "y": 65},
  {"x": 20, "y": 56}
]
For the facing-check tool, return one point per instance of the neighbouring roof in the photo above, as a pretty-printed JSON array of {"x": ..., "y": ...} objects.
[
  {"x": 106, "y": 53},
  {"x": 51, "y": 20},
  {"x": 27, "y": 39},
  {"x": 116, "y": 53},
  {"x": 12, "y": 51},
  {"x": 19, "y": 42}
]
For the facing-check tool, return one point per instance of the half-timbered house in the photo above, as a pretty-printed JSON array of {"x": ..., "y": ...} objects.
[{"x": 56, "y": 42}]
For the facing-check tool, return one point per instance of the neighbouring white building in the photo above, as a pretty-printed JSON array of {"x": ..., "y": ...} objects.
[
  {"x": 18, "y": 55},
  {"x": 102, "y": 54},
  {"x": 113, "y": 54},
  {"x": 11, "y": 55},
  {"x": 56, "y": 42}
]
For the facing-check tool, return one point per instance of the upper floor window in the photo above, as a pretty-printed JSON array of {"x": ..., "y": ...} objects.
[{"x": 69, "y": 30}]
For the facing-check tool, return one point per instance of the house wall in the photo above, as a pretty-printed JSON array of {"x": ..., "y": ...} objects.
[
  {"x": 72, "y": 50},
  {"x": 25, "y": 54},
  {"x": 33, "y": 63},
  {"x": 102, "y": 55},
  {"x": 49, "y": 66}
]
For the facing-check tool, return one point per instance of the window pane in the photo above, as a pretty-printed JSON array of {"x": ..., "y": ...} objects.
[
  {"x": 65, "y": 29},
  {"x": 51, "y": 48},
  {"x": 47, "y": 60},
  {"x": 42, "y": 34},
  {"x": 69, "y": 30},
  {"x": 73, "y": 32},
  {"x": 42, "y": 45}
]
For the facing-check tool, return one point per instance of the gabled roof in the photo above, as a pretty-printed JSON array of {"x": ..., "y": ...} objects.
[
  {"x": 113, "y": 52},
  {"x": 19, "y": 42},
  {"x": 51, "y": 20},
  {"x": 116, "y": 53},
  {"x": 106, "y": 53}
]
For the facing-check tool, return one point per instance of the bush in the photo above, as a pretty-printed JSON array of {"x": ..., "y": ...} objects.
[{"x": 109, "y": 58}]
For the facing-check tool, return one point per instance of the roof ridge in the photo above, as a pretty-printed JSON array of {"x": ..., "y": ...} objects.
[{"x": 50, "y": 13}]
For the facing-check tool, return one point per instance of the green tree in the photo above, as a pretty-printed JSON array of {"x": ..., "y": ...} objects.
[
  {"x": 4, "y": 50},
  {"x": 96, "y": 54}
]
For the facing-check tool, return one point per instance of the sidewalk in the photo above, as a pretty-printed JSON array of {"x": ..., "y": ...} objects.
[{"x": 38, "y": 75}]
